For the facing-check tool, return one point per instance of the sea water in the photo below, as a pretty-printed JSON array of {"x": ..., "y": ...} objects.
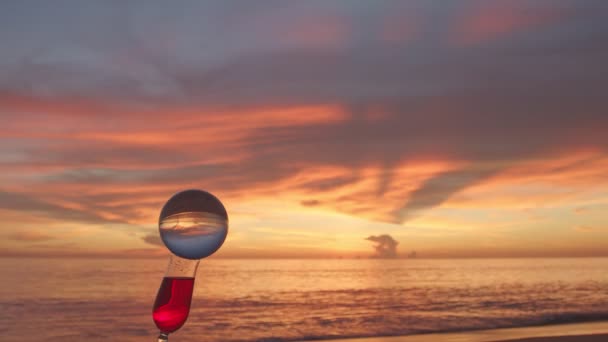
[{"x": 285, "y": 300}]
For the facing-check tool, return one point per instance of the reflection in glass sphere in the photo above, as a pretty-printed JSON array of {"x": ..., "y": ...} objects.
[{"x": 193, "y": 224}]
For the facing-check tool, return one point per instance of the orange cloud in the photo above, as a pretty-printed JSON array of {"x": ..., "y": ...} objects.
[{"x": 584, "y": 228}]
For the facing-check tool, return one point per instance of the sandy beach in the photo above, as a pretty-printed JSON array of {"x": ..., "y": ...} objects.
[
  {"x": 578, "y": 332},
  {"x": 575, "y": 338}
]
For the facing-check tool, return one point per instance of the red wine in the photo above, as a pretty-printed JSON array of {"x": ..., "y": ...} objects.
[{"x": 172, "y": 303}]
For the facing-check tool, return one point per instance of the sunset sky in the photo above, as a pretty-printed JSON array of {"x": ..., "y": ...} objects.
[{"x": 460, "y": 128}]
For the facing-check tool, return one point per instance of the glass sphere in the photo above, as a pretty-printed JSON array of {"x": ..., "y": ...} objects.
[{"x": 193, "y": 224}]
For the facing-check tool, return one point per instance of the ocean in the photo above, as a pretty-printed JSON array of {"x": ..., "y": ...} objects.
[{"x": 293, "y": 300}]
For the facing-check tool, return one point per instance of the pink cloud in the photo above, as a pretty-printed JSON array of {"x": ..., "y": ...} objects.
[{"x": 490, "y": 20}]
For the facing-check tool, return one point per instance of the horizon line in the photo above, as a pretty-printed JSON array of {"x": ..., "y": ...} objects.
[{"x": 109, "y": 256}]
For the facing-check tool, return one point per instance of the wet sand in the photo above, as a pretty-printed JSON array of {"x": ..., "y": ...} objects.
[
  {"x": 575, "y": 338},
  {"x": 577, "y": 332}
]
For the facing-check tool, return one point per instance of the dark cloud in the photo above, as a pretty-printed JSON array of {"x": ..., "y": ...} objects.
[
  {"x": 440, "y": 188},
  {"x": 174, "y": 58},
  {"x": 31, "y": 236},
  {"x": 153, "y": 239},
  {"x": 328, "y": 184},
  {"x": 310, "y": 203},
  {"x": 386, "y": 246},
  {"x": 30, "y": 204}
]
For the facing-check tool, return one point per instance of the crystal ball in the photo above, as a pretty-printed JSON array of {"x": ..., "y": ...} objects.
[{"x": 193, "y": 224}]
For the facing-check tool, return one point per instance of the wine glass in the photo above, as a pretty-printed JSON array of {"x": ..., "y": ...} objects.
[{"x": 193, "y": 224}]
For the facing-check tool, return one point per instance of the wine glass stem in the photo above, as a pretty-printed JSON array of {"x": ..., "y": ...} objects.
[{"x": 163, "y": 337}]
